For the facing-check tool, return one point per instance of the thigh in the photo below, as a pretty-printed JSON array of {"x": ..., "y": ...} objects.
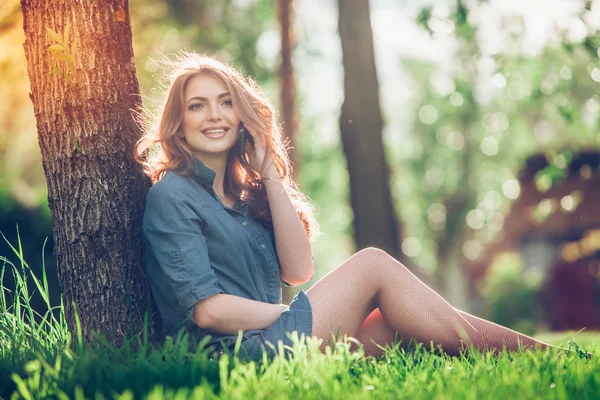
[{"x": 345, "y": 297}]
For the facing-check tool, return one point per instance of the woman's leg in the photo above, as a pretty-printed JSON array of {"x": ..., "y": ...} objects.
[
  {"x": 372, "y": 279},
  {"x": 375, "y": 333}
]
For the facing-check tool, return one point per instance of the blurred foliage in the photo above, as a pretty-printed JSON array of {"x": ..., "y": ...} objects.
[
  {"x": 511, "y": 296},
  {"x": 21, "y": 176},
  {"x": 23, "y": 192},
  {"x": 242, "y": 33},
  {"x": 479, "y": 119},
  {"x": 324, "y": 179}
]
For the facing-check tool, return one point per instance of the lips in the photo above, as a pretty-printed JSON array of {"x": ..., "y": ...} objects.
[
  {"x": 215, "y": 129},
  {"x": 215, "y": 132}
]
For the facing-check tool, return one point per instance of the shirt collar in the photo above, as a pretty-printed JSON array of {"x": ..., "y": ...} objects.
[{"x": 204, "y": 175}]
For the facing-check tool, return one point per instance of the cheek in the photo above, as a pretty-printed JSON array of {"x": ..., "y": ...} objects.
[
  {"x": 232, "y": 115},
  {"x": 189, "y": 119}
]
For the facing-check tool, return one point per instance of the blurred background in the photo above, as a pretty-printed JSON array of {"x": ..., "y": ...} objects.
[{"x": 490, "y": 114}]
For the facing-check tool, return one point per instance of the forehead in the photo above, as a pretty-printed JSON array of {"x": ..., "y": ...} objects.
[{"x": 205, "y": 85}]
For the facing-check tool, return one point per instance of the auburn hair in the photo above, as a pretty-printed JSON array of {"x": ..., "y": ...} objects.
[{"x": 161, "y": 149}]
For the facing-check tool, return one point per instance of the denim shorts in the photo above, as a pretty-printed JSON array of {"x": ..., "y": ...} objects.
[{"x": 297, "y": 318}]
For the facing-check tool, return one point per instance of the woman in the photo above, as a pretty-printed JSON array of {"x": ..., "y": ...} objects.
[{"x": 224, "y": 228}]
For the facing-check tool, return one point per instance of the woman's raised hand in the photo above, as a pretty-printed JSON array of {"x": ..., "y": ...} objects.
[{"x": 257, "y": 155}]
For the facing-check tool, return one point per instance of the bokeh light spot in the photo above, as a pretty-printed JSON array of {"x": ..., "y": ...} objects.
[
  {"x": 491, "y": 201},
  {"x": 567, "y": 203},
  {"x": 547, "y": 206},
  {"x": 411, "y": 246},
  {"x": 511, "y": 189},
  {"x": 565, "y": 73},
  {"x": 443, "y": 84},
  {"x": 472, "y": 249},
  {"x": 595, "y": 74},
  {"x": 560, "y": 161},
  {"x": 455, "y": 141},
  {"x": 546, "y": 87},
  {"x": 428, "y": 114},
  {"x": 436, "y": 215},
  {"x": 499, "y": 80},
  {"x": 543, "y": 182},
  {"x": 495, "y": 221},
  {"x": 475, "y": 219},
  {"x": 489, "y": 146},
  {"x": 457, "y": 99}
]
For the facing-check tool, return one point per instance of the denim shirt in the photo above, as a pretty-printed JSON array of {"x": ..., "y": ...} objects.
[{"x": 197, "y": 247}]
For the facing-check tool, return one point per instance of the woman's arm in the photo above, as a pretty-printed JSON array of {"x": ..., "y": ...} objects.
[
  {"x": 227, "y": 314},
  {"x": 291, "y": 242}
]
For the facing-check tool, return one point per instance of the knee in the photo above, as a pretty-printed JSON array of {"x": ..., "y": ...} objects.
[
  {"x": 372, "y": 258},
  {"x": 377, "y": 258},
  {"x": 373, "y": 253}
]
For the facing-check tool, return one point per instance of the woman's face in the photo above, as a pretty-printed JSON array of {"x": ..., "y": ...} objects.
[{"x": 209, "y": 120}]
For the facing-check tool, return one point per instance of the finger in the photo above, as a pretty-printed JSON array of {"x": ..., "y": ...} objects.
[
  {"x": 249, "y": 148},
  {"x": 258, "y": 139},
  {"x": 251, "y": 132}
]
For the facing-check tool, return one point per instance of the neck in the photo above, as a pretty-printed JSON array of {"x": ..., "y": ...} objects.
[{"x": 218, "y": 165}]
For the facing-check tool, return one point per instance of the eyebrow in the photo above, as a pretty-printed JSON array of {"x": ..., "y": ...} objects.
[{"x": 204, "y": 98}]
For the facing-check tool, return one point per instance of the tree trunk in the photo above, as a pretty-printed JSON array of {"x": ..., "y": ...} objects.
[
  {"x": 288, "y": 84},
  {"x": 361, "y": 127},
  {"x": 86, "y": 132},
  {"x": 288, "y": 98}
]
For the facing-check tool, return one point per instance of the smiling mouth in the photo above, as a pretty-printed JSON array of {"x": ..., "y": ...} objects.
[{"x": 215, "y": 133}]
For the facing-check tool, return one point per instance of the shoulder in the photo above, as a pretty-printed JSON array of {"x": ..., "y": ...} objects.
[
  {"x": 172, "y": 189},
  {"x": 172, "y": 202}
]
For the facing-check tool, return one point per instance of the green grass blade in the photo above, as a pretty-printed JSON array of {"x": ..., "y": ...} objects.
[
  {"x": 78, "y": 328},
  {"x": 14, "y": 250},
  {"x": 44, "y": 279}
]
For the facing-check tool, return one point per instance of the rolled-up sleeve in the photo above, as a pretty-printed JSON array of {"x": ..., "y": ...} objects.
[{"x": 173, "y": 233}]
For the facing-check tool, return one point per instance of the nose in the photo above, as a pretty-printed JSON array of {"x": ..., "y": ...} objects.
[{"x": 215, "y": 114}]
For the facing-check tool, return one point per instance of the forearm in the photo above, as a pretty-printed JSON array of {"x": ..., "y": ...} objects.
[
  {"x": 227, "y": 314},
  {"x": 291, "y": 241}
]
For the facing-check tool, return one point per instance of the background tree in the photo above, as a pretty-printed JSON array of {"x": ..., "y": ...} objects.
[
  {"x": 287, "y": 91},
  {"x": 83, "y": 88},
  {"x": 475, "y": 125},
  {"x": 287, "y": 81},
  {"x": 361, "y": 127}
]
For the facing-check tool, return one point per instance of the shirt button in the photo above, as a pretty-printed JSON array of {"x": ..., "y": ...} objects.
[
  {"x": 263, "y": 245},
  {"x": 244, "y": 223},
  {"x": 273, "y": 275}
]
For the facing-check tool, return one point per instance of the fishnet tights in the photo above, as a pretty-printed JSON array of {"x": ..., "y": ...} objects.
[{"x": 375, "y": 299}]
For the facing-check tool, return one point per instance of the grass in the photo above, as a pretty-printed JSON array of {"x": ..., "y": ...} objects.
[{"x": 39, "y": 359}]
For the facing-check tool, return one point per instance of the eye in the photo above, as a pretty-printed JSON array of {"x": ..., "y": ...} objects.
[
  {"x": 227, "y": 103},
  {"x": 196, "y": 106}
]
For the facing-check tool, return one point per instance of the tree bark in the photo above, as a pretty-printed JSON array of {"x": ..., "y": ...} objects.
[
  {"x": 288, "y": 83},
  {"x": 86, "y": 133},
  {"x": 361, "y": 127}
]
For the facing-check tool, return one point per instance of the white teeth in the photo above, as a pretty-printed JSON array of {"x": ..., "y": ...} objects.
[{"x": 215, "y": 131}]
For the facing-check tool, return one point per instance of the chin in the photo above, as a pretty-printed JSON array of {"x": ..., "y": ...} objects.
[{"x": 214, "y": 151}]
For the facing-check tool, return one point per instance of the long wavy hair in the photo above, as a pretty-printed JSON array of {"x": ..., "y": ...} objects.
[{"x": 161, "y": 149}]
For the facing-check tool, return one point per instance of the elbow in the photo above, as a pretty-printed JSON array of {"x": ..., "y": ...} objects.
[
  {"x": 299, "y": 279},
  {"x": 201, "y": 318},
  {"x": 204, "y": 315}
]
